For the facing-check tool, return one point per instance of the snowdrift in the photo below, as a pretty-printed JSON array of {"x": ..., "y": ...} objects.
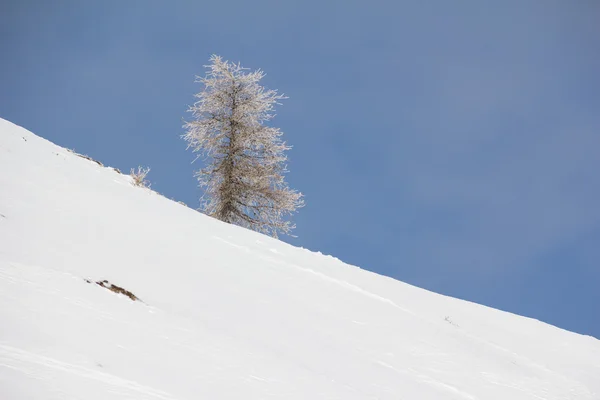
[{"x": 226, "y": 313}]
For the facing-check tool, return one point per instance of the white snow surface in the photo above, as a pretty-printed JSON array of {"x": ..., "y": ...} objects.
[{"x": 228, "y": 313}]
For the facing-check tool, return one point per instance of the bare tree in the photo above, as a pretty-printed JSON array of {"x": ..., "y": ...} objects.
[{"x": 245, "y": 159}]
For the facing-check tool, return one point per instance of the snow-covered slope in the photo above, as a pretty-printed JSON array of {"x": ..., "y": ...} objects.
[{"x": 228, "y": 313}]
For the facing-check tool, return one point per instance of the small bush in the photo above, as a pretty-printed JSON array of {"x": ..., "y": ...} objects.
[{"x": 139, "y": 177}]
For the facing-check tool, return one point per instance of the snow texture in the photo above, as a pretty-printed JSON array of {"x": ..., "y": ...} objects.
[{"x": 228, "y": 313}]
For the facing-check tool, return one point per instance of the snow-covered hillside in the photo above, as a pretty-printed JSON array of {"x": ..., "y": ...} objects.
[{"x": 227, "y": 313}]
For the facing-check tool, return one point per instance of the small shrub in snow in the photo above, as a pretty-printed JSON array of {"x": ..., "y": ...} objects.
[{"x": 139, "y": 177}]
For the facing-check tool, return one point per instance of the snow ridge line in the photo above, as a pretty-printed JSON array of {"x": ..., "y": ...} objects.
[{"x": 11, "y": 357}]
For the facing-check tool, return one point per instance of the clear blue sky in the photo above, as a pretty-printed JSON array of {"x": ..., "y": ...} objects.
[{"x": 451, "y": 145}]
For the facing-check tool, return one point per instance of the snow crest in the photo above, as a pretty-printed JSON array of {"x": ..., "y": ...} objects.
[{"x": 229, "y": 313}]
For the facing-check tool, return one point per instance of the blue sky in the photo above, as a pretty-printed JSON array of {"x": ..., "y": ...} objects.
[{"x": 454, "y": 146}]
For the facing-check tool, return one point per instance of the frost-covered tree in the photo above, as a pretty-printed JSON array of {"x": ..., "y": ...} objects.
[{"x": 245, "y": 159}]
